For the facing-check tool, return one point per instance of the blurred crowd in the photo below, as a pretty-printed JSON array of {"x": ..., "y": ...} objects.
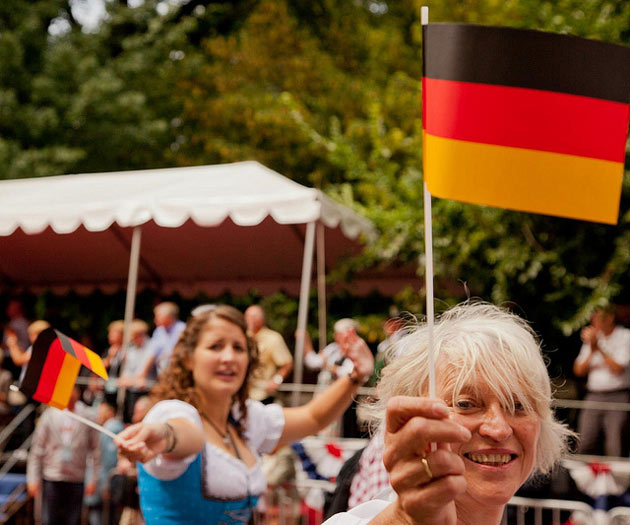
[
  {"x": 73, "y": 470},
  {"x": 75, "y": 473}
]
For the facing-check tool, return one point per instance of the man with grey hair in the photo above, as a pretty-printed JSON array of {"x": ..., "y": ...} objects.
[
  {"x": 168, "y": 328},
  {"x": 331, "y": 361}
]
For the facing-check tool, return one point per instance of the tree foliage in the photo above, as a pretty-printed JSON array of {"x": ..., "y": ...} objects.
[{"x": 327, "y": 93}]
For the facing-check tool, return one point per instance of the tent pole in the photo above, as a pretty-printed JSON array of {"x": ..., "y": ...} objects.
[
  {"x": 130, "y": 301},
  {"x": 307, "y": 265},
  {"x": 132, "y": 281},
  {"x": 321, "y": 284}
]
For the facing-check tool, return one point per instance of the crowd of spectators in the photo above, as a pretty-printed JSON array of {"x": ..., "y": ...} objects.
[{"x": 75, "y": 465}]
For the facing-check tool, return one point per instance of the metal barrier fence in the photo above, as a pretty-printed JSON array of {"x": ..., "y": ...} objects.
[{"x": 525, "y": 506}]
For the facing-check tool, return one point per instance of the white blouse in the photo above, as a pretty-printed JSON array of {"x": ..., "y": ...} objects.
[{"x": 226, "y": 476}]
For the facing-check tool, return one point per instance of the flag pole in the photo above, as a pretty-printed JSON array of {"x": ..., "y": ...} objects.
[
  {"x": 428, "y": 255},
  {"x": 90, "y": 423}
]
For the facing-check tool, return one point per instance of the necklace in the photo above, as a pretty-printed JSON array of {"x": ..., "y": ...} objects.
[{"x": 225, "y": 436}]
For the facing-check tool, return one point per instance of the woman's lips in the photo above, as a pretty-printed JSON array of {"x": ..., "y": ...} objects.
[
  {"x": 228, "y": 374},
  {"x": 492, "y": 457}
]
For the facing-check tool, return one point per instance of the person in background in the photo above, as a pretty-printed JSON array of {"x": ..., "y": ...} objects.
[
  {"x": 274, "y": 358},
  {"x": 18, "y": 326},
  {"x": 22, "y": 355},
  {"x": 331, "y": 361},
  {"x": 140, "y": 409},
  {"x": 6, "y": 378},
  {"x": 106, "y": 416},
  {"x": 165, "y": 336},
  {"x": 57, "y": 460},
  {"x": 200, "y": 444},
  {"x": 132, "y": 376},
  {"x": 124, "y": 505},
  {"x": 605, "y": 360},
  {"x": 394, "y": 329},
  {"x": 113, "y": 359}
]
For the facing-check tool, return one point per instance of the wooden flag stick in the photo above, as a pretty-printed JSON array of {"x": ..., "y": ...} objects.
[{"x": 89, "y": 423}]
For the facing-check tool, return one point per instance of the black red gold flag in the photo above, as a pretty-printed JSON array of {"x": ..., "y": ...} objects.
[
  {"x": 525, "y": 120},
  {"x": 54, "y": 366}
]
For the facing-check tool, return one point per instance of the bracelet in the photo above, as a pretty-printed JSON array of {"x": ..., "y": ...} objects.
[{"x": 171, "y": 440}]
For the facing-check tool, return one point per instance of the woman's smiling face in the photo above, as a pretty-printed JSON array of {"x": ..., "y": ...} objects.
[
  {"x": 502, "y": 451},
  {"x": 220, "y": 359}
]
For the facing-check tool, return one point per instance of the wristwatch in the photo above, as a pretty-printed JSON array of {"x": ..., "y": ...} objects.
[{"x": 277, "y": 379}]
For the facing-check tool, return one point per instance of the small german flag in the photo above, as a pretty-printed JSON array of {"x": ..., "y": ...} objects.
[
  {"x": 54, "y": 367},
  {"x": 525, "y": 120}
]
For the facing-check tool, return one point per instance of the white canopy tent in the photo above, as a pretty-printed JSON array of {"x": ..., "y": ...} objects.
[{"x": 231, "y": 227}]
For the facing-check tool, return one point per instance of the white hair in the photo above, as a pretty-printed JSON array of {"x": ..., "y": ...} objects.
[
  {"x": 167, "y": 308},
  {"x": 345, "y": 324},
  {"x": 476, "y": 344}
]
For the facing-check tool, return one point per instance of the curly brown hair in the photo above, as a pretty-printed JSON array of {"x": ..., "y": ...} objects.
[{"x": 177, "y": 381}]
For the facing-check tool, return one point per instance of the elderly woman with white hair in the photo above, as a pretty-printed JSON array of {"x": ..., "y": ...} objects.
[{"x": 461, "y": 457}]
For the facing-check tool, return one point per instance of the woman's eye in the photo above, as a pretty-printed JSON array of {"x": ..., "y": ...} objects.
[
  {"x": 518, "y": 406},
  {"x": 465, "y": 404},
  {"x": 239, "y": 348},
  {"x": 215, "y": 346}
]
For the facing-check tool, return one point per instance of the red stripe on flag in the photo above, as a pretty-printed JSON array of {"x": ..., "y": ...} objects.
[
  {"x": 80, "y": 353},
  {"x": 525, "y": 118},
  {"x": 50, "y": 372}
]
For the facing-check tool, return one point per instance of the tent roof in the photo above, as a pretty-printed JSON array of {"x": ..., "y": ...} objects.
[
  {"x": 231, "y": 227},
  {"x": 245, "y": 192}
]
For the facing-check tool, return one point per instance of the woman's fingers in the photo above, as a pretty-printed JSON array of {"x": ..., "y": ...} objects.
[
  {"x": 431, "y": 499},
  {"x": 401, "y": 409},
  {"x": 129, "y": 433},
  {"x": 413, "y": 473},
  {"x": 139, "y": 435},
  {"x": 413, "y": 423}
]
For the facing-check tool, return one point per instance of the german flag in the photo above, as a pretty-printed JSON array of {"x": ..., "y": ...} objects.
[
  {"x": 525, "y": 120},
  {"x": 54, "y": 366}
]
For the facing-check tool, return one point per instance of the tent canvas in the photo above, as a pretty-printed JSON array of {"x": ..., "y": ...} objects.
[{"x": 231, "y": 227}]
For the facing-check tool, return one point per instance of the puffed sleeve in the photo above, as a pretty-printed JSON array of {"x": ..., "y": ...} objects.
[
  {"x": 264, "y": 426},
  {"x": 161, "y": 467}
]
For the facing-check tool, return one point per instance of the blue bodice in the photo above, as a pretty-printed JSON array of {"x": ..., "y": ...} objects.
[{"x": 182, "y": 500}]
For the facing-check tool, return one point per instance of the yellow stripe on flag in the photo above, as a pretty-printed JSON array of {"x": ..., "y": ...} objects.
[
  {"x": 65, "y": 382},
  {"x": 96, "y": 364},
  {"x": 523, "y": 179}
]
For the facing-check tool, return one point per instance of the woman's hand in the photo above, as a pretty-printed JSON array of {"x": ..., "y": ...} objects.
[
  {"x": 426, "y": 491},
  {"x": 142, "y": 442},
  {"x": 356, "y": 349}
]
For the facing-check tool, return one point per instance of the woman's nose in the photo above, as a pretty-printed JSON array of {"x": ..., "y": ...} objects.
[
  {"x": 496, "y": 424},
  {"x": 228, "y": 353}
]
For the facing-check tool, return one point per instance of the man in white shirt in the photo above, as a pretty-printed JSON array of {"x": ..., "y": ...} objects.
[
  {"x": 331, "y": 361},
  {"x": 56, "y": 465},
  {"x": 168, "y": 328},
  {"x": 605, "y": 360}
]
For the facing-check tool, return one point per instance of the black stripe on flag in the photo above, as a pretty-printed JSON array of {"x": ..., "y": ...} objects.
[{"x": 529, "y": 59}]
